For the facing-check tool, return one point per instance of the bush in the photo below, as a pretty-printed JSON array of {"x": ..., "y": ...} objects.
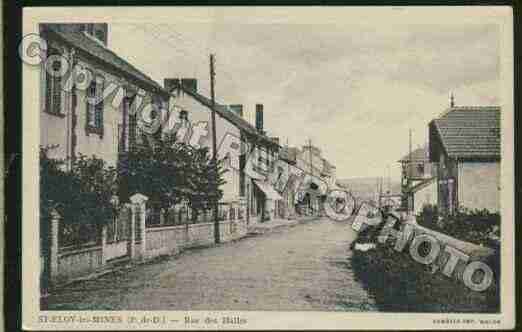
[
  {"x": 82, "y": 196},
  {"x": 400, "y": 284},
  {"x": 476, "y": 226},
  {"x": 429, "y": 216}
]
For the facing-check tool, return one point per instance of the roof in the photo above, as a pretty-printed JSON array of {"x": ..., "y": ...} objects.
[
  {"x": 225, "y": 112},
  {"x": 419, "y": 154},
  {"x": 102, "y": 53},
  {"x": 470, "y": 132}
]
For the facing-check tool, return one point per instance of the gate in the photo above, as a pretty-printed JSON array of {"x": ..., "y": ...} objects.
[{"x": 118, "y": 233}]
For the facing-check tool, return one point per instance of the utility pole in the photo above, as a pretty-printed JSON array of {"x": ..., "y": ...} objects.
[
  {"x": 410, "y": 165},
  {"x": 310, "y": 156},
  {"x": 380, "y": 192},
  {"x": 214, "y": 151},
  {"x": 310, "y": 204},
  {"x": 389, "y": 178}
]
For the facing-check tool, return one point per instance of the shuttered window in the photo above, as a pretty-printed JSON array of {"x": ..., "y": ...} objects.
[
  {"x": 132, "y": 131},
  {"x": 91, "y": 94},
  {"x": 53, "y": 83},
  {"x": 94, "y": 106}
]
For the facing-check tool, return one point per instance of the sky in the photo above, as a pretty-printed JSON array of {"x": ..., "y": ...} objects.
[{"x": 355, "y": 90}]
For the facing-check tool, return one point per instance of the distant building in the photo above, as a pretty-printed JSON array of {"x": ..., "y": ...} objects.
[
  {"x": 418, "y": 180},
  {"x": 322, "y": 176},
  {"x": 416, "y": 166},
  {"x": 285, "y": 180},
  {"x": 464, "y": 143}
]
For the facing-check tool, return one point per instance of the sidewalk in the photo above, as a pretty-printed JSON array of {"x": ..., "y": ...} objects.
[{"x": 257, "y": 228}]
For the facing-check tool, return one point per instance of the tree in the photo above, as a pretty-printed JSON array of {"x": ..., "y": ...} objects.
[
  {"x": 169, "y": 172},
  {"x": 82, "y": 195}
]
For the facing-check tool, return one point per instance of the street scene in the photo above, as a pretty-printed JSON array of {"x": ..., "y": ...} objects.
[
  {"x": 355, "y": 170},
  {"x": 300, "y": 267}
]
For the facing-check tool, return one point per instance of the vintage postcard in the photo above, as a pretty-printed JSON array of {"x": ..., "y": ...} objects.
[{"x": 219, "y": 168}]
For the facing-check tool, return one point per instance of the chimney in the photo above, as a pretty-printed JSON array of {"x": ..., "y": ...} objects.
[
  {"x": 237, "y": 109},
  {"x": 190, "y": 84},
  {"x": 171, "y": 84},
  {"x": 452, "y": 100},
  {"x": 259, "y": 117}
]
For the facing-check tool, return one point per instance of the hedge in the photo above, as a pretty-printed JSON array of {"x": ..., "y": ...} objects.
[{"x": 400, "y": 284}]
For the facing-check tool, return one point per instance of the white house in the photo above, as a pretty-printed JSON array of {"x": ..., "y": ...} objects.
[{"x": 465, "y": 144}]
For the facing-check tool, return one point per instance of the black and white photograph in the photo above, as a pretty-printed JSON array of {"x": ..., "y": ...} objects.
[{"x": 265, "y": 167}]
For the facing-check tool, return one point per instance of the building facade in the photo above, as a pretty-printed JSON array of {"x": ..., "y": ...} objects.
[
  {"x": 250, "y": 162},
  {"x": 465, "y": 145},
  {"x": 91, "y": 117},
  {"x": 303, "y": 178}
]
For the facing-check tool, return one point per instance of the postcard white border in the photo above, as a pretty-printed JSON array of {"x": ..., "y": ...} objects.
[{"x": 264, "y": 320}]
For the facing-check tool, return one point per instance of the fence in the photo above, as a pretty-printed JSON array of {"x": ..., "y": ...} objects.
[{"x": 129, "y": 237}]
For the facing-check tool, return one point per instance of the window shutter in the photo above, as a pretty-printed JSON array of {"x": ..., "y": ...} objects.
[
  {"x": 99, "y": 105},
  {"x": 132, "y": 131},
  {"x": 53, "y": 87},
  {"x": 48, "y": 92},
  {"x": 57, "y": 89},
  {"x": 89, "y": 107}
]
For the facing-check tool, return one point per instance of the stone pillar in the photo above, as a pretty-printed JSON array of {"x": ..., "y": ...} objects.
[
  {"x": 139, "y": 202},
  {"x": 53, "y": 249},
  {"x": 104, "y": 245},
  {"x": 131, "y": 250},
  {"x": 143, "y": 231},
  {"x": 162, "y": 216}
]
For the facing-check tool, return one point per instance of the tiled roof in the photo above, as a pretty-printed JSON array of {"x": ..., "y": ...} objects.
[
  {"x": 102, "y": 53},
  {"x": 419, "y": 154},
  {"x": 470, "y": 132},
  {"x": 228, "y": 114}
]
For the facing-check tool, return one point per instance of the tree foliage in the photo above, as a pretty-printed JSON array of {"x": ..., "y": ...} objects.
[
  {"x": 170, "y": 172},
  {"x": 80, "y": 195},
  {"x": 476, "y": 226}
]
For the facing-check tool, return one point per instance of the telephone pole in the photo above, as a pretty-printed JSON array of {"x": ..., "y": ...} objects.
[
  {"x": 409, "y": 157},
  {"x": 310, "y": 203},
  {"x": 410, "y": 165},
  {"x": 214, "y": 152},
  {"x": 380, "y": 192}
]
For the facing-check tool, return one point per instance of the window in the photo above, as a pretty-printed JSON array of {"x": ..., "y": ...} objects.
[
  {"x": 53, "y": 93},
  {"x": 242, "y": 163},
  {"x": 121, "y": 139},
  {"x": 132, "y": 131},
  {"x": 420, "y": 169},
  {"x": 94, "y": 106}
]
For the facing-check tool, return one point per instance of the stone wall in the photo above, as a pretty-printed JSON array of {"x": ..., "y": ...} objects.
[
  {"x": 171, "y": 240},
  {"x": 78, "y": 262},
  {"x": 142, "y": 243}
]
